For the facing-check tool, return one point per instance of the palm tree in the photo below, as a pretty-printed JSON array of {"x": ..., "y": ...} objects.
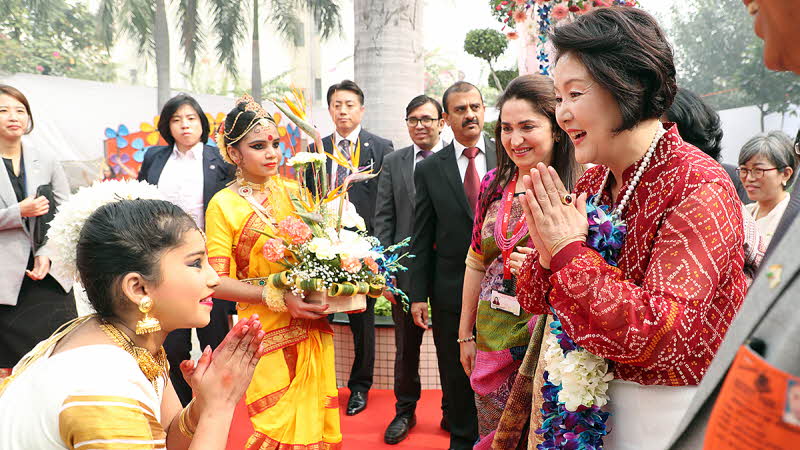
[
  {"x": 389, "y": 63},
  {"x": 283, "y": 16},
  {"x": 146, "y": 23}
]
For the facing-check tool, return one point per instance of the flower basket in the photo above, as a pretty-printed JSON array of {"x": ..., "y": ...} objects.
[{"x": 338, "y": 303}]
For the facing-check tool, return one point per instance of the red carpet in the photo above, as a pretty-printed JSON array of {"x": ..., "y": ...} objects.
[{"x": 365, "y": 430}]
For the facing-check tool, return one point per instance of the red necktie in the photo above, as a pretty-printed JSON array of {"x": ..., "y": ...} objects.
[{"x": 472, "y": 182}]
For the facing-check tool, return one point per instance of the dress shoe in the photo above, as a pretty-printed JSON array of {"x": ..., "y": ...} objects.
[
  {"x": 399, "y": 428},
  {"x": 357, "y": 403},
  {"x": 444, "y": 424}
]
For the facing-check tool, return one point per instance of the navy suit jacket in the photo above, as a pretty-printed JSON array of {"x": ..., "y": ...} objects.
[{"x": 216, "y": 172}]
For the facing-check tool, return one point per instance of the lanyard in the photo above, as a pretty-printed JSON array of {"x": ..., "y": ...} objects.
[{"x": 505, "y": 237}]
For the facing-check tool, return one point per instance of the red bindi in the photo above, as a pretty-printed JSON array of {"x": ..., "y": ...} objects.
[{"x": 269, "y": 137}]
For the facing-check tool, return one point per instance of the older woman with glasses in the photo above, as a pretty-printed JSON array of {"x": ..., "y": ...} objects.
[{"x": 767, "y": 165}]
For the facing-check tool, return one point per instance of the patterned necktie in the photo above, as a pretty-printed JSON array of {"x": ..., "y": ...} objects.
[
  {"x": 342, "y": 172},
  {"x": 472, "y": 181}
]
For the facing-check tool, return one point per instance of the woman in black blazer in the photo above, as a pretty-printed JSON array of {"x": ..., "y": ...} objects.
[{"x": 188, "y": 172}]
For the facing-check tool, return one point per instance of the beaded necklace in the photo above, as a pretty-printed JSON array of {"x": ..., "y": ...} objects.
[{"x": 617, "y": 212}]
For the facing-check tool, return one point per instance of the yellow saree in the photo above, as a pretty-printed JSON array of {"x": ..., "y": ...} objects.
[{"x": 292, "y": 400}]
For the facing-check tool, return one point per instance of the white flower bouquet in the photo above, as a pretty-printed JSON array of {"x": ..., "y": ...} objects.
[{"x": 328, "y": 255}]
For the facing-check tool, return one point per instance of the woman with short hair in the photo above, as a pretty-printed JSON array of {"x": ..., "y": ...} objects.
[
  {"x": 767, "y": 165},
  {"x": 641, "y": 267}
]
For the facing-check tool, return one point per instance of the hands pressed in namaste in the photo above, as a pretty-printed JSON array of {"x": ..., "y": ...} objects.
[{"x": 555, "y": 217}]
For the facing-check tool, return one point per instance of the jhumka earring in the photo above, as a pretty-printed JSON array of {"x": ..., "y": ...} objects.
[{"x": 147, "y": 324}]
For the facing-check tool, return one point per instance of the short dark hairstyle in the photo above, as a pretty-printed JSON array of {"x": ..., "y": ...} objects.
[
  {"x": 538, "y": 91},
  {"x": 698, "y": 123},
  {"x": 20, "y": 97},
  {"x": 776, "y": 146},
  {"x": 123, "y": 237},
  {"x": 168, "y": 111},
  {"x": 420, "y": 100},
  {"x": 458, "y": 86},
  {"x": 627, "y": 53},
  {"x": 346, "y": 85}
]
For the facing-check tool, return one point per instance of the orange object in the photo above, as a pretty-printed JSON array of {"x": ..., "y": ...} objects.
[{"x": 758, "y": 407}]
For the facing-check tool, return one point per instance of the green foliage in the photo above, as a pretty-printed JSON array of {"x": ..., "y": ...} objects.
[
  {"x": 56, "y": 39},
  {"x": 383, "y": 307},
  {"x": 718, "y": 56},
  {"x": 486, "y": 44},
  {"x": 505, "y": 77},
  {"x": 488, "y": 127},
  {"x": 440, "y": 73}
]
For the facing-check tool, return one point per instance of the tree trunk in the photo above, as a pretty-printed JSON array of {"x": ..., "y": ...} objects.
[
  {"x": 256, "y": 76},
  {"x": 161, "y": 36},
  {"x": 497, "y": 82},
  {"x": 389, "y": 64},
  {"x": 763, "y": 110}
]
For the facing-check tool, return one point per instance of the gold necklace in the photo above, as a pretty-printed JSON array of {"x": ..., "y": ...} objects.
[{"x": 152, "y": 367}]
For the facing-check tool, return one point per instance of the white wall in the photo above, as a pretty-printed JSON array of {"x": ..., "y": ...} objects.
[{"x": 740, "y": 124}]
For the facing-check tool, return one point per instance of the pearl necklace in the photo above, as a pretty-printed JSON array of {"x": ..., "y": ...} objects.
[{"x": 617, "y": 212}]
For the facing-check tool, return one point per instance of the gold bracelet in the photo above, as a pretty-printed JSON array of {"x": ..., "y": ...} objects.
[
  {"x": 272, "y": 297},
  {"x": 563, "y": 240},
  {"x": 466, "y": 339},
  {"x": 182, "y": 425}
]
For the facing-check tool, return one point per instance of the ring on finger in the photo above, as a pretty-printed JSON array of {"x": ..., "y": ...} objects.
[{"x": 567, "y": 199}]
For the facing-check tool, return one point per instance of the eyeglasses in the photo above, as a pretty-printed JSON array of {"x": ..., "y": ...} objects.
[
  {"x": 426, "y": 121},
  {"x": 757, "y": 173}
]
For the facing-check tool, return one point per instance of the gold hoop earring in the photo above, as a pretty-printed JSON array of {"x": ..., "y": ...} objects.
[{"x": 147, "y": 324}]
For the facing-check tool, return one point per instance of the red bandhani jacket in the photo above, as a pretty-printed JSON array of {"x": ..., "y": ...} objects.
[{"x": 663, "y": 312}]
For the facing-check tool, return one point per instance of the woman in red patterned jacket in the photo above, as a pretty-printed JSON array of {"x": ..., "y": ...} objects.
[{"x": 641, "y": 267}]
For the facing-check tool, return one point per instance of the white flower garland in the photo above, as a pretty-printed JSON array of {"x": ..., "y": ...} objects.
[
  {"x": 65, "y": 228},
  {"x": 583, "y": 376}
]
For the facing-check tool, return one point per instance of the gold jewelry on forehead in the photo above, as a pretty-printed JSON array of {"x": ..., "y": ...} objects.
[{"x": 224, "y": 138}]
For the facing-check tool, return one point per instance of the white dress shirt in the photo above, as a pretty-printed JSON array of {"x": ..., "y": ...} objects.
[
  {"x": 181, "y": 181},
  {"x": 353, "y": 139},
  {"x": 418, "y": 151},
  {"x": 463, "y": 161}
]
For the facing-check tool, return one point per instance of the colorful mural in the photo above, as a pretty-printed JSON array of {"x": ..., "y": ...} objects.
[{"x": 124, "y": 150}]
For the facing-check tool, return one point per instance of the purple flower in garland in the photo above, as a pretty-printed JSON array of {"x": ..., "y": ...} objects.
[{"x": 606, "y": 232}]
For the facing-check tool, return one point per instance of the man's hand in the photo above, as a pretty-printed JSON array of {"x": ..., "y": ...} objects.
[
  {"x": 419, "y": 311},
  {"x": 41, "y": 267}
]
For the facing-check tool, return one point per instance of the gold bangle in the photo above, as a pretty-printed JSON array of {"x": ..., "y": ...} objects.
[
  {"x": 563, "y": 240},
  {"x": 272, "y": 297},
  {"x": 182, "y": 425}
]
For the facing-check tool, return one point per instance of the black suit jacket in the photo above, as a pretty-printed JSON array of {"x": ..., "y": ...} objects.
[
  {"x": 363, "y": 194},
  {"x": 216, "y": 172},
  {"x": 442, "y": 229},
  {"x": 394, "y": 210}
]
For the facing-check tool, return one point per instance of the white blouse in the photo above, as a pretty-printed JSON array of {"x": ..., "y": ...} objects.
[{"x": 767, "y": 224}]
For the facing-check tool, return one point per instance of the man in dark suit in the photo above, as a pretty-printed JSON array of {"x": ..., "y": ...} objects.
[
  {"x": 346, "y": 107},
  {"x": 447, "y": 186},
  {"x": 759, "y": 361},
  {"x": 394, "y": 221},
  {"x": 188, "y": 173}
]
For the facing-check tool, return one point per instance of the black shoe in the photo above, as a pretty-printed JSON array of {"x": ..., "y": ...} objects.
[
  {"x": 399, "y": 428},
  {"x": 444, "y": 424},
  {"x": 357, "y": 403}
]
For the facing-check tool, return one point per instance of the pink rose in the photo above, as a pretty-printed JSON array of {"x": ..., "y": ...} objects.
[
  {"x": 56, "y": 55},
  {"x": 520, "y": 16},
  {"x": 295, "y": 230},
  {"x": 273, "y": 250},
  {"x": 40, "y": 68},
  {"x": 350, "y": 264},
  {"x": 602, "y": 3},
  {"x": 560, "y": 11}
]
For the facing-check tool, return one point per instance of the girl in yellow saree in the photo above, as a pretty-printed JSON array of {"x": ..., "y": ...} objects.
[{"x": 292, "y": 401}]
